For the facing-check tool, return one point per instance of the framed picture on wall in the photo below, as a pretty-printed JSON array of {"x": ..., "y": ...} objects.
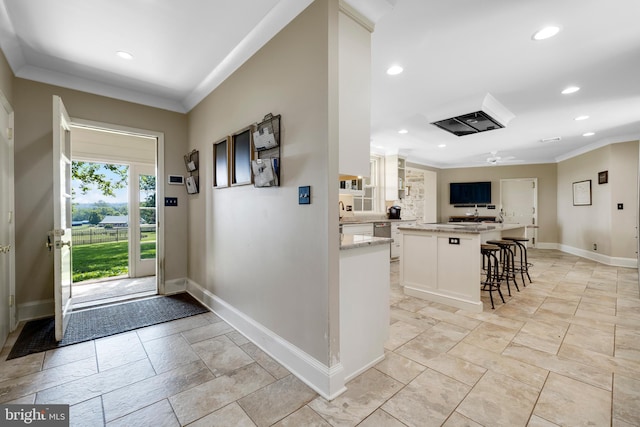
[
  {"x": 221, "y": 163},
  {"x": 582, "y": 193},
  {"x": 603, "y": 177},
  {"x": 241, "y": 155}
]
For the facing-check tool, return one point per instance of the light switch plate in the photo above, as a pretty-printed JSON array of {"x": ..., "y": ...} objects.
[
  {"x": 304, "y": 195},
  {"x": 171, "y": 201},
  {"x": 620, "y": 206}
]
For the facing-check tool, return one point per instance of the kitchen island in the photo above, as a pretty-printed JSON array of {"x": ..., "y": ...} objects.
[
  {"x": 442, "y": 262},
  {"x": 364, "y": 301}
]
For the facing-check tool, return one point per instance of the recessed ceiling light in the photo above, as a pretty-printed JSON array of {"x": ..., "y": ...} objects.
[
  {"x": 395, "y": 70},
  {"x": 442, "y": 145},
  {"x": 588, "y": 134},
  {"x": 403, "y": 131},
  {"x": 546, "y": 33},
  {"x": 581, "y": 118},
  {"x": 570, "y": 89},
  {"x": 124, "y": 55}
]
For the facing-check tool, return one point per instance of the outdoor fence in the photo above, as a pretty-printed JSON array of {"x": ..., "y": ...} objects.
[{"x": 105, "y": 235}]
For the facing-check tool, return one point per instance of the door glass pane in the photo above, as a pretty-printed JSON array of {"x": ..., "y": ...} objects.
[{"x": 147, "y": 198}]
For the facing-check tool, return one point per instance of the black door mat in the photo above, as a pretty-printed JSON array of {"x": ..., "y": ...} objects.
[{"x": 39, "y": 335}]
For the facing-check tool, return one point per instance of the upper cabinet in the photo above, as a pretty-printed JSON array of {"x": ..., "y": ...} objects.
[
  {"x": 354, "y": 96},
  {"x": 395, "y": 177}
]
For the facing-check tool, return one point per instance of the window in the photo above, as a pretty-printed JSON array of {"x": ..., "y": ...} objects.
[{"x": 370, "y": 199}]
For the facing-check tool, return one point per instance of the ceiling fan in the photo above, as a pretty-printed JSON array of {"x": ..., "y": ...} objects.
[{"x": 494, "y": 159}]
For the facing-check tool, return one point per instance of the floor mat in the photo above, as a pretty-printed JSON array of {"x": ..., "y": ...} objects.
[{"x": 39, "y": 335}]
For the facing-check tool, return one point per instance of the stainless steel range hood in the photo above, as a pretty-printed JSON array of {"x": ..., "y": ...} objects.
[{"x": 490, "y": 116}]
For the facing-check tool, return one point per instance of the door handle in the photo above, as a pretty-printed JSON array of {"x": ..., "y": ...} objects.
[
  {"x": 5, "y": 249},
  {"x": 48, "y": 244},
  {"x": 60, "y": 244}
]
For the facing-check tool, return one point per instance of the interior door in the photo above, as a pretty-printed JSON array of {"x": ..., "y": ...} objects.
[
  {"x": 143, "y": 220},
  {"x": 7, "y": 231},
  {"x": 60, "y": 236},
  {"x": 519, "y": 204}
]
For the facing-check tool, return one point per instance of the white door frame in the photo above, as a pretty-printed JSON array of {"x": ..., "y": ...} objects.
[
  {"x": 10, "y": 195},
  {"x": 159, "y": 136},
  {"x": 531, "y": 229}
]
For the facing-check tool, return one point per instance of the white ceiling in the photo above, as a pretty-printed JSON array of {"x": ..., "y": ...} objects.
[{"x": 453, "y": 54}]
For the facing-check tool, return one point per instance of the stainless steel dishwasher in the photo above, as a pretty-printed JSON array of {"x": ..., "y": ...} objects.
[{"x": 382, "y": 229}]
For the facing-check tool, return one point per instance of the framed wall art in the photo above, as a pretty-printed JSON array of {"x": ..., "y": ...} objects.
[
  {"x": 241, "y": 154},
  {"x": 221, "y": 163},
  {"x": 582, "y": 193},
  {"x": 603, "y": 177}
]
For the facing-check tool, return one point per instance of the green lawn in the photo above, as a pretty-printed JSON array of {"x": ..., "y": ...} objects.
[{"x": 105, "y": 259}]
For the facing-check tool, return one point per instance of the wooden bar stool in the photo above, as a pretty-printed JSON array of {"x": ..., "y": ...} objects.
[
  {"x": 524, "y": 260},
  {"x": 507, "y": 258},
  {"x": 491, "y": 264}
]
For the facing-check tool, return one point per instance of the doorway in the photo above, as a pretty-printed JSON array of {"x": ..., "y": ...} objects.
[
  {"x": 119, "y": 236},
  {"x": 519, "y": 205}
]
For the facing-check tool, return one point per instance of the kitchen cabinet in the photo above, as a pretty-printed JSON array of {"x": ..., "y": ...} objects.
[
  {"x": 396, "y": 235},
  {"x": 394, "y": 171},
  {"x": 364, "y": 229}
]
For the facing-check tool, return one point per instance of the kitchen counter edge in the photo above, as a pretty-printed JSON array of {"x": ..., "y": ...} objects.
[
  {"x": 354, "y": 241},
  {"x": 462, "y": 229}
]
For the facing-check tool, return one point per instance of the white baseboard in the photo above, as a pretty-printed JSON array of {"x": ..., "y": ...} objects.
[
  {"x": 35, "y": 309},
  {"x": 593, "y": 256},
  {"x": 544, "y": 245},
  {"x": 327, "y": 381},
  {"x": 175, "y": 286}
]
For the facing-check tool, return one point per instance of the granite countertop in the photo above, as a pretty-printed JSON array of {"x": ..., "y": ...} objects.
[
  {"x": 353, "y": 241},
  {"x": 461, "y": 227},
  {"x": 365, "y": 220}
]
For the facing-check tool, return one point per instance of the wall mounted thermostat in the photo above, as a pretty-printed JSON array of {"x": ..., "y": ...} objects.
[{"x": 175, "y": 180}]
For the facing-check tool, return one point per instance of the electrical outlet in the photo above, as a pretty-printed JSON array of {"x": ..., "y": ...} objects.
[{"x": 595, "y": 246}]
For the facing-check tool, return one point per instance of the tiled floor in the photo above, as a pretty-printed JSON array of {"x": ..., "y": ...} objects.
[{"x": 563, "y": 351}]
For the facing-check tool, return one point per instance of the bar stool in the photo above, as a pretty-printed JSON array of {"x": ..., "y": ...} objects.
[
  {"x": 507, "y": 258},
  {"x": 524, "y": 261},
  {"x": 491, "y": 264}
]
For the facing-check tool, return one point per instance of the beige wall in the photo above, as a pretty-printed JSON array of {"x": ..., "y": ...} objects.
[
  {"x": 33, "y": 170},
  {"x": 623, "y": 176},
  {"x": 6, "y": 78},
  {"x": 601, "y": 223},
  {"x": 545, "y": 173},
  {"x": 256, "y": 248}
]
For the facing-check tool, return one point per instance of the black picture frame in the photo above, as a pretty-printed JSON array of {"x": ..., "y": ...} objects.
[
  {"x": 241, "y": 154},
  {"x": 582, "y": 193},
  {"x": 221, "y": 163},
  {"x": 603, "y": 177}
]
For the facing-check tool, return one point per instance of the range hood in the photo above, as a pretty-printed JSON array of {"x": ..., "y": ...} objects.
[{"x": 489, "y": 115}]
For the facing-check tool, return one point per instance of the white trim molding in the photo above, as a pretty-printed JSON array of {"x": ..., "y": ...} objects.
[
  {"x": 604, "y": 259},
  {"x": 326, "y": 381},
  {"x": 35, "y": 310},
  {"x": 175, "y": 286}
]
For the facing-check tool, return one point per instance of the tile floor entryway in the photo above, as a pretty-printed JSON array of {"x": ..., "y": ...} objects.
[{"x": 563, "y": 351}]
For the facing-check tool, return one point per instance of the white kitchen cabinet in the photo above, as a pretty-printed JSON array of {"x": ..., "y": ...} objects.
[
  {"x": 364, "y": 229},
  {"x": 396, "y": 235},
  {"x": 394, "y": 177}
]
